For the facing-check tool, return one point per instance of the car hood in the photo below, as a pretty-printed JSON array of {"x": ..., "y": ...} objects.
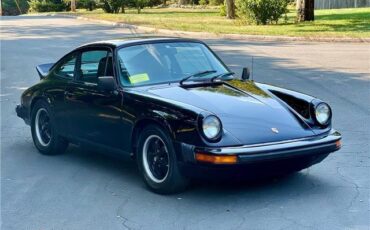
[{"x": 248, "y": 113}]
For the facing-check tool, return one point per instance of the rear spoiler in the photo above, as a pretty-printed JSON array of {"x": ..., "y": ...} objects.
[{"x": 43, "y": 69}]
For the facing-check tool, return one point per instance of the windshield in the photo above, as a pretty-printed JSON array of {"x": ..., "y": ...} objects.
[{"x": 166, "y": 62}]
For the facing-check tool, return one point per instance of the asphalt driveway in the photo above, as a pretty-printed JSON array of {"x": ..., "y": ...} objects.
[{"x": 83, "y": 189}]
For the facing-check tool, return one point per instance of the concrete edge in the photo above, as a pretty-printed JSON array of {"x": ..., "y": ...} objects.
[{"x": 208, "y": 35}]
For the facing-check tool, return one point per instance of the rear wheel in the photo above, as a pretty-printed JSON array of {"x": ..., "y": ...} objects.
[
  {"x": 158, "y": 163},
  {"x": 44, "y": 134}
]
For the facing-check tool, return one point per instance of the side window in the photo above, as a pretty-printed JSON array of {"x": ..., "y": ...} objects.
[
  {"x": 95, "y": 63},
  {"x": 67, "y": 69}
]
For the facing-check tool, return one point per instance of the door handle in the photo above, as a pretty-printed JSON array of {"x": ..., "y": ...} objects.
[{"x": 68, "y": 94}]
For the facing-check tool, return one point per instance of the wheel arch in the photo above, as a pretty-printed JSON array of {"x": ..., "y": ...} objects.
[
  {"x": 33, "y": 102},
  {"x": 37, "y": 98},
  {"x": 144, "y": 122}
]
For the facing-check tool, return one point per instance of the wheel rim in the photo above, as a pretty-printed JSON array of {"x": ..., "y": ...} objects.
[
  {"x": 42, "y": 127},
  {"x": 156, "y": 158}
]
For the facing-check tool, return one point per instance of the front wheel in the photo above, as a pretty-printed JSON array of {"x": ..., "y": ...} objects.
[
  {"x": 158, "y": 163},
  {"x": 44, "y": 134}
]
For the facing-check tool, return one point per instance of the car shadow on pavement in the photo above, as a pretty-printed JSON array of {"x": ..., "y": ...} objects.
[
  {"x": 124, "y": 169},
  {"x": 104, "y": 162}
]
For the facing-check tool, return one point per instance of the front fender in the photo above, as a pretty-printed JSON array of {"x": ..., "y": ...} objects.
[
  {"x": 180, "y": 120},
  {"x": 299, "y": 103}
]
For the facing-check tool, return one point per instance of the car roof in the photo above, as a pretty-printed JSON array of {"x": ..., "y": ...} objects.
[{"x": 131, "y": 40}]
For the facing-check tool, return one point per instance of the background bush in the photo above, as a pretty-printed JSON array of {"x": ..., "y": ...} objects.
[
  {"x": 261, "y": 11},
  {"x": 9, "y": 7},
  {"x": 223, "y": 10},
  {"x": 86, "y": 4},
  {"x": 152, "y": 3},
  {"x": 216, "y": 2},
  {"x": 140, "y": 4},
  {"x": 112, "y": 6},
  {"x": 48, "y": 5},
  {"x": 203, "y": 2}
]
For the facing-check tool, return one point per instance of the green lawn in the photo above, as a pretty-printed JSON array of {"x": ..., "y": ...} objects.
[{"x": 329, "y": 23}]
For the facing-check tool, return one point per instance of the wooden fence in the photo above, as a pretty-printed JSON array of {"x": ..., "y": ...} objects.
[{"x": 336, "y": 4}]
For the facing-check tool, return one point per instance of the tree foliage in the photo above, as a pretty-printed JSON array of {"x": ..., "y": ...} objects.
[
  {"x": 86, "y": 4},
  {"x": 223, "y": 10},
  {"x": 262, "y": 11},
  {"x": 113, "y": 6},
  {"x": 140, "y": 4},
  {"x": 203, "y": 2},
  {"x": 48, "y": 5},
  {"x": 216, "y": 2},
  {"x": 152, "y": 3},
  {"x": 14, "y": 7}
]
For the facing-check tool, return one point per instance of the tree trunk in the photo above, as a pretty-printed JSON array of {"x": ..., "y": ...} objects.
[
  {"x": 230, "y": 9},
  {"x": 73, "y": 5},
  {"x": 91, "y": 6},
  {"x": 182, "y": 2},
  {"x": 305, "y": 10},
  {"x": 123, "y": 9}
]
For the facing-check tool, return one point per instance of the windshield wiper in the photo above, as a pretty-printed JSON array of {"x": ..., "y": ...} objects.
[
  {"x": 222, "y": 75},
  {"x": 197, "y": 75}
]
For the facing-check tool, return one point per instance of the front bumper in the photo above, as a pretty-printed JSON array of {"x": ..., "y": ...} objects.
[
  {"x": 278, "y": 156},
  {"x": 22, "y": 112}
]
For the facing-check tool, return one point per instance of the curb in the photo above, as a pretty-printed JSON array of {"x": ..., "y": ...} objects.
[{"x": 208, "y": 35}]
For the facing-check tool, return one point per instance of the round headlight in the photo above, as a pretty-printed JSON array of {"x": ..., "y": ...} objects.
[
  {"x": 211, "y": 127},
  {"x": 322, "y": 113}
]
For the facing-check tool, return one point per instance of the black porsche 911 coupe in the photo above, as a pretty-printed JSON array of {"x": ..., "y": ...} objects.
[{"x": 177, "y": 109}]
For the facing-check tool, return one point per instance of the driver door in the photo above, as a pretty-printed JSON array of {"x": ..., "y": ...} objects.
[{"x": 95, "y": 115}]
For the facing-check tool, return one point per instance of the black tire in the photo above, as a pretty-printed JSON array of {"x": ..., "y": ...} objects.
[
  {"x": 52, "y": 143},
  {"x": 173, "y": 181}
]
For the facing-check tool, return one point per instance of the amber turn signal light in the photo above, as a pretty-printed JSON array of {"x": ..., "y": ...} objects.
[
  {"x": 338, "y": 144},
  {"x": 214, "y": 159}
]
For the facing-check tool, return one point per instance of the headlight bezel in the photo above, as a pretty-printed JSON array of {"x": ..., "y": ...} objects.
[
  {"x": 201, "y": 120},
  {"x": 328, "y": 121}
]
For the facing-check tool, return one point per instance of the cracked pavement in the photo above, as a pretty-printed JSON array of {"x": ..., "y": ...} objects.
[{"x": 83, "y": 189}]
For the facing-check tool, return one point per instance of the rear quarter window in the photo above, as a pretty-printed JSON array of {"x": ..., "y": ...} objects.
[{"x": 67, "y": 68}]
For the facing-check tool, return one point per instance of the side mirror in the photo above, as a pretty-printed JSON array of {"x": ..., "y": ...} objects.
[
  {"x": 246, "y": 74},
  {"x": 106, "y": 83}
]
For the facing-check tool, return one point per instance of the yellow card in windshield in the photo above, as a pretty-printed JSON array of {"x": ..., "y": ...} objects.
[{"x": 138, "y": 78}]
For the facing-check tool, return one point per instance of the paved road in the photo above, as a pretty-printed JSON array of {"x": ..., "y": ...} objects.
[{"x": 87, "y": 190}]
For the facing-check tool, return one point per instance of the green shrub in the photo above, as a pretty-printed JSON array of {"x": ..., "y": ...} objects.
[
  {"x": 89, "y": 5},
  {"x": 216, "y": 2},
  {"x": 223, "y": 10},
  {"x": 111, "y": 6},
  {"x": 203, "y": 2},
  {"x": 115, "y": 6},
  {"x": 152, "y": 3},
  {"x": 47, "y": 6},
  {"x": 9, "y": 7},
  {"x": 261, "y": 11},
  {"x": 140, "y": 4}
]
